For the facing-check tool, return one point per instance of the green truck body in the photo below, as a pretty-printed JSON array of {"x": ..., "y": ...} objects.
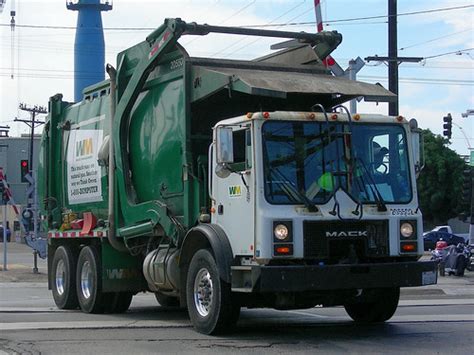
[{"x": 128, "y": 174}]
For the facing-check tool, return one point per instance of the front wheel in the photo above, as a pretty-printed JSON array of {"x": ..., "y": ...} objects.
[
  {"x": 209, "y": 299},
  {"x": 381, "y": 307}
]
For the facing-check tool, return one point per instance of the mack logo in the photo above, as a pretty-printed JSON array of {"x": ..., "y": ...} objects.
[
  {"x": 84, "y": 147},
  {"x": 347, "y": 234}
]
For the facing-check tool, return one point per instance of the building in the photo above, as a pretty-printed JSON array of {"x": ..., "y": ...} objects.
[{"x": 12, "y": 151}]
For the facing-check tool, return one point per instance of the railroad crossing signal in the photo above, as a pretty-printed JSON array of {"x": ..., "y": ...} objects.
[{"x": 448, "y": 126}]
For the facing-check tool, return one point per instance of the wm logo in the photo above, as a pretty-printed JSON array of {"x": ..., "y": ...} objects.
[
  {"x": 84, "y": 147},
  {"x": 235, "y": 190}
]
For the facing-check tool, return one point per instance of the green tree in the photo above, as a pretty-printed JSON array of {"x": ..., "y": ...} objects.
[{"x": 439, "y": 184}]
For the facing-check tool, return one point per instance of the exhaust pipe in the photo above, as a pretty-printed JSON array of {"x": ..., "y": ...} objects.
[{"x": 114, "y": 242}]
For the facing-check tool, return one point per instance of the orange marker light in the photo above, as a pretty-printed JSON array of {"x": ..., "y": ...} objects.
[
  {"x": 311, "y": 116},
  {"x": 408, "y": 247},
  {"x": 356, "y": 117},
  {"x": 283, "y": 250},
  {"x": 249, "y": 114},
  {"x": 213, "y": 210},
  {"x": 334, "y": 116},
  {"x": 399, "y": 118},
  {"x": 266, "y": 115}
]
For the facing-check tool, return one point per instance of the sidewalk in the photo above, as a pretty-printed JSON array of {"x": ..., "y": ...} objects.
[
  {"x": 20, "y": 269},
  {"x": 20, "y": 262}
]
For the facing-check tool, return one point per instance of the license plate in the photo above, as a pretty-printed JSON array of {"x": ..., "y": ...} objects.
[{"x": 428, "y": 278}]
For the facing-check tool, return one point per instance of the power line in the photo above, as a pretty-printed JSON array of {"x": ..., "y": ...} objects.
[
  {"x": 244, "y": 38},
  {"x": 447, "y": 53},
  {"x": 367, "y": 17},
  {"x": 256, "y": 25},
  {"x": 434, "y": 39},
  {"x": 258, "y": 39},
  {"x": 227, "y": 19}
]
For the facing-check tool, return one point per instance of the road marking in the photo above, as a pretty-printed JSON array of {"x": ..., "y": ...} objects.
[
  {"x": 93, "y": 325},
  {"x": 186, "y": 324},
  {"x": 437, "y": 302},
  {"x": 303, "y": 313},
  {"x": 433, "y": 318}
]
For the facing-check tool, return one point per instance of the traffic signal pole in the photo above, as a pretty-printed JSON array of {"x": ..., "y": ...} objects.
[
  {"x": 32, "y": 204},
  {"x": 5, "y": 241}
]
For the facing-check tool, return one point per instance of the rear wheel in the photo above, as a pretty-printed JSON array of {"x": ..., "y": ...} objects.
[
  {"x": 209, "y": 299},
  {"x": 89, "y": 281},
  {"x": 381, "y": 307},
  {"x": 63, "y": 273}
]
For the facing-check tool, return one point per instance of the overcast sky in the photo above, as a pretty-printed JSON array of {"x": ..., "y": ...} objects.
[{"x": 42, "y": 58}]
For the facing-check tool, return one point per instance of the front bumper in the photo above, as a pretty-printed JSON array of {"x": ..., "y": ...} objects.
[{"x": 296, "y": 278}]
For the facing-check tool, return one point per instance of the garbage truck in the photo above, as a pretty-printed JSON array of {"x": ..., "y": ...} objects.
[{"x": 218, "y": 184}]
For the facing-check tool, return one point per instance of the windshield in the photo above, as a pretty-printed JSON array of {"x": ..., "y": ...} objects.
[{"x": 302, "y": 157}]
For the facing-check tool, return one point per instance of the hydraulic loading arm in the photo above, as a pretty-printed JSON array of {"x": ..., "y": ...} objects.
[{"x": 134, "y": 66}]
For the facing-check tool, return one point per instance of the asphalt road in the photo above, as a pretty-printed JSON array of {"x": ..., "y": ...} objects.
[{"x": 432, "y": 320}]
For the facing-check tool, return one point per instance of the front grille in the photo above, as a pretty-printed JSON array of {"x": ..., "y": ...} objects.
[{"x": 339, "y": 240}]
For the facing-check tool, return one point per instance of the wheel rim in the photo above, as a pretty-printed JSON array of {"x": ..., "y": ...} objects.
[
  {"x": 60, "y": 277},
  {"x": 203, "y": 292},
  {"x": 86, "y": 279}
]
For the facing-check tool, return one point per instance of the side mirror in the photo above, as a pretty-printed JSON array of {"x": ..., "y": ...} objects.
[
  {"x": 225, "y": 145},
  {"x": 418, "y": 147}
]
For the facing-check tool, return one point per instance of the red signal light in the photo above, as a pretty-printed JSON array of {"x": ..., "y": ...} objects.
[{"x": 24, "y": 169}]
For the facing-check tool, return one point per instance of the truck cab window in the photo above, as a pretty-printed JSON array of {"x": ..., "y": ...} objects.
[{"x": 241, "y": 141}]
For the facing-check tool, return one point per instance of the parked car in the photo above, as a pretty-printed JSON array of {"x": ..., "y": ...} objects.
[
  {"x": 446, "y": 229},
  {"x": 8, "y": 234},
  {"x": 431, "y": 238}
]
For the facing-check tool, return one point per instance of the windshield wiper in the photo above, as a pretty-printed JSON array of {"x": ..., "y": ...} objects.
[
  {"x": 381, "y": 206},
  {"x": 286, "y": 183}
]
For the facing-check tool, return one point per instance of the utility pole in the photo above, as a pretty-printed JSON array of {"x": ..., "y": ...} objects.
[
  {"x": 392, "y": 53},
  {"x": 33, "y": 123},
  {"x": 393, "y": 60}
]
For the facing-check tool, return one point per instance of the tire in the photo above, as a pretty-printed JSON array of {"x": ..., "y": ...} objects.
[
  {"x": 460, "y": 266},
  {"x": 116, "y": 302},
  {"x": 166, "y": 301},
  {"x": 89, "y": 281},
  {"x": 442, "y": 271},
  {"x": 63, "y": 278},
  {"x": 209, "y": 299},
  {"x": 380, "y": 310}
]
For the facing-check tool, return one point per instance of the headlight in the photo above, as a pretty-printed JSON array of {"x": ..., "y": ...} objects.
[
  {"x": 281, "y": 232},
  {"x": 406, "y": 230}
]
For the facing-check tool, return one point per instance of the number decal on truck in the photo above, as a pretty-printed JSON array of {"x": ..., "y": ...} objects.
[
  {"x": 402, "y": 212},
  {"x": 177, "y": 63}
]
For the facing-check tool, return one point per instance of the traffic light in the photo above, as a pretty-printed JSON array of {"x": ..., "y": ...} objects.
[
  {"x": 448, "y": 126},
  {"x": 467, "y": 196},
  {"x": 24, "y": 169}
]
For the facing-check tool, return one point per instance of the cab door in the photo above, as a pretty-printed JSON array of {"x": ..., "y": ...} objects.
[{"x": 233, "y": 191}]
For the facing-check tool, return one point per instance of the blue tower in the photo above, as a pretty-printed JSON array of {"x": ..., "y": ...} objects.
[{"x": 89, "y": 48}]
